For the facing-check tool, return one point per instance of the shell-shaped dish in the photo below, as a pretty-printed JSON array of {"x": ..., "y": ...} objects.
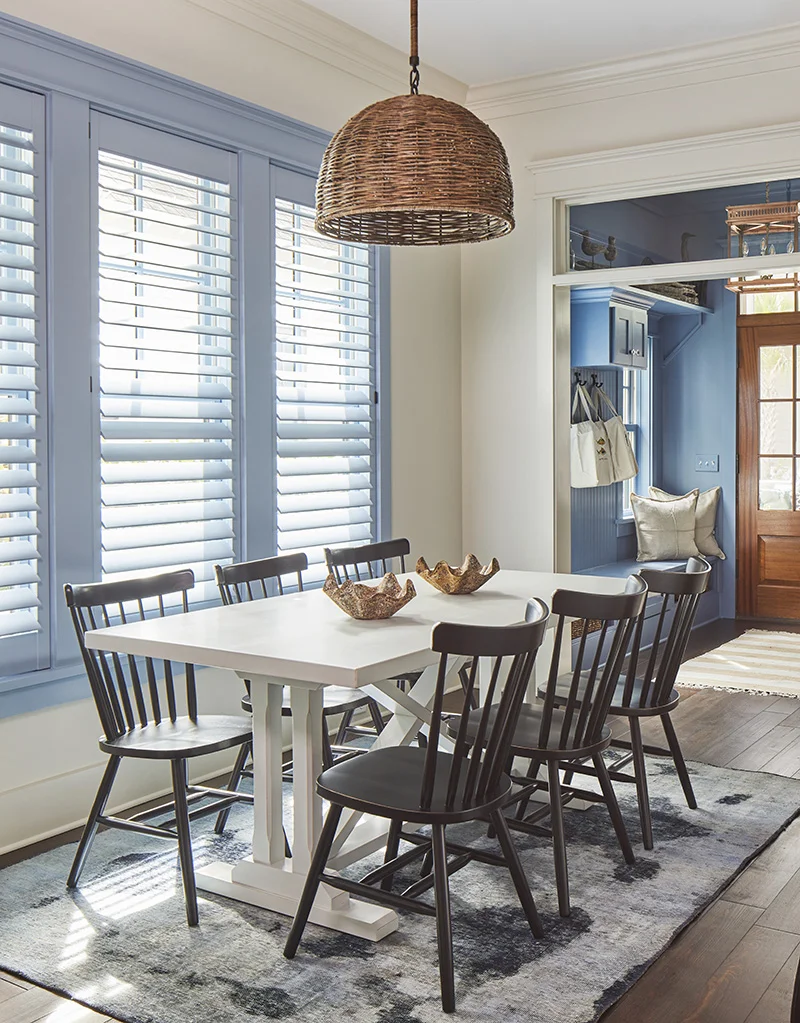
[
  {"x": 470, "y": 577},
  {"x": 370, "y": 603}
]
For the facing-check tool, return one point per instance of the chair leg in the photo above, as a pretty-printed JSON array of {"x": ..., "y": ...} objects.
[
  {"x": 522, "y": 806},
  {"x": 640, "y": 774},
  {"x": 233, "y": 783},
  {"x": 559, "y": 843},
  {"x": 444, "y": 924},
  {"x": 184, "y": 839},
  {"x": 327, "y": 752},
  {"x": 318, "y": 861},
  {"x": 517, "y": 873},
  {"x": 344, "y": 726},
  {"x": 392, "y": 849},
  {"x": 90, "y": 828},
  {"x": 377, "y": 718},
  {"x": 680, "y": 763},
  {"x": 610, "y": 797}
]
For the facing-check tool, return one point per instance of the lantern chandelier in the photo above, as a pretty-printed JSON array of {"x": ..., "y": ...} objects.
[{"x": 415, "y": 170}]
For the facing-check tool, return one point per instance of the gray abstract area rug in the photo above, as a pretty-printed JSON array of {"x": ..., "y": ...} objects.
[{"x": 120, "y": 944}]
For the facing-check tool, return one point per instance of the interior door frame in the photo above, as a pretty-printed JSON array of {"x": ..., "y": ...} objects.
[{"x": 553, "y": 185}]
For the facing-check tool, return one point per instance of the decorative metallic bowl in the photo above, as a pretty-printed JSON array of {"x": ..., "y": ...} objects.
[
  {"x": 370, "y": 603},
  {"x": 470, "y": 577}
]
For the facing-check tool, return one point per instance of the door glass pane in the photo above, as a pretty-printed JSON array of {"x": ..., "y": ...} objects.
[
  {"x": 776, "y": 428},
  {"x": 776, "y": 371},
  {"x": 775, "y": 484}
]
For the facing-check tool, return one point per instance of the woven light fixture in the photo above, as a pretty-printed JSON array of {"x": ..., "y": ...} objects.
[{"x": 415, "y": 170}]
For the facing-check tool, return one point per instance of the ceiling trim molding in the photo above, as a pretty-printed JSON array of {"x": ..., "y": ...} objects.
[
  {"x": 767, "y": 51},
  {"x": 316, "y": 34},
  {"x": 702, "y": 161}
]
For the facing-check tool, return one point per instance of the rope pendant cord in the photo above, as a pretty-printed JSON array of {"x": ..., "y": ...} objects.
[{"x": 414, "y": 57}]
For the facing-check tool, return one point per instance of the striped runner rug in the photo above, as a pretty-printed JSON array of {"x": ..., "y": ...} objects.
[{"x": 757, "y": 662}]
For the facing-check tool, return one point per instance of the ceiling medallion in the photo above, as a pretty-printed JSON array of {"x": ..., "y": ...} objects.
[{"x": 415, "y": 170}]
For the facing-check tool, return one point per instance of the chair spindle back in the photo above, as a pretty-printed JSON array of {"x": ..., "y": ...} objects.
[
  {"x": 124, "y": 698},
  {"x": 248, "y": 580},
  {"x": 479, "y": 761},
  {"x": 574, "y": 719},
  {"x": 364, "y": 561},
  {"x": 664, "y": 660}
]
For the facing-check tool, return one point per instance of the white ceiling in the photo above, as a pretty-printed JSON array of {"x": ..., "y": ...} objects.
[{"x": 481, "y": 41}]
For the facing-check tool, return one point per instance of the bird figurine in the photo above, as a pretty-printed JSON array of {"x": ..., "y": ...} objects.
[
  {"x": 685, "y": 245},
  {"x": 590, "y": 248},
  {"x": 611, "y": 250}
]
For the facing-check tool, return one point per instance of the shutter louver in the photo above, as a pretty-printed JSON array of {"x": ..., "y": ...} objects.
[
  {"x": 22, "y": 389},
  {"x": 167, "y": 331},
  {"x": 325, "y": 378}
]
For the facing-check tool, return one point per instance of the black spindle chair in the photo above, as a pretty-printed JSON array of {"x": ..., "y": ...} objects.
[
  {"x": 568, "y": 726},
  {"x": 254, "y": 580},
  {"x": 427, "y": 786},
  {"x": 648, "y": 689},
  {"x": 367, "y": 561},
  {"x": 372, "y": 561},
  {"x": 141, "y": 717}
]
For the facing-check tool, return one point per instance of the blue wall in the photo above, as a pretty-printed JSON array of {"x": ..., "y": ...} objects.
[{"x": 696, "y": 393}]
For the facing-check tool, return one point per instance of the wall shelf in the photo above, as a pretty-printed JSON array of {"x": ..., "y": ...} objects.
[{"x": 670, "y": 306}]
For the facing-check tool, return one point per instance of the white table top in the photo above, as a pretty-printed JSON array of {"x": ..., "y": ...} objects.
[{"x": 306, "y": 637}]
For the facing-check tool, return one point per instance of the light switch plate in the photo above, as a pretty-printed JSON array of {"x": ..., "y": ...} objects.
[{"x": 706, "y": 463}]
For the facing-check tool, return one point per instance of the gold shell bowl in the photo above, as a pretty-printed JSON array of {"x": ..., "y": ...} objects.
[
  {"x": 370, "y": 603},
  {"x": 470, "y": 577}
]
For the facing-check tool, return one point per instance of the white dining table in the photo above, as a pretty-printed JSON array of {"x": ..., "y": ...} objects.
[{"x": 304, "y": 641}]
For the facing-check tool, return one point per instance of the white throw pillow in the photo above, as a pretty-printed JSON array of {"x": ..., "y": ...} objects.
[
  {"x": 705, "y": 518},
  {"x": 665, "y": 529}
]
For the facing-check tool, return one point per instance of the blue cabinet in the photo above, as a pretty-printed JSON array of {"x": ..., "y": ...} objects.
[{"x": 609, "y": 328}]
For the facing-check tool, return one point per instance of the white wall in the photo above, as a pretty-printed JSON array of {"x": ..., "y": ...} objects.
[
  {"x": 283, "y": 56},
  {"x": 508, "y": 399}
]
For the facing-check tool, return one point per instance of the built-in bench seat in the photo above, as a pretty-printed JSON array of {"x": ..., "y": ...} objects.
[{"x": 626, "y": 568}]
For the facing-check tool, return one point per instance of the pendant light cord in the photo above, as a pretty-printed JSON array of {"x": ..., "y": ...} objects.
[{"x": 414, "y": 58}]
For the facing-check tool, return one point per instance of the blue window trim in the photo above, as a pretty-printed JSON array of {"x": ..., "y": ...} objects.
[{"x": 77, "y": 78}]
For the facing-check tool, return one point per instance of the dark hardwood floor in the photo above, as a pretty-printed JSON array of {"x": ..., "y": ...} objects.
[{"x": 736, "y": 963}]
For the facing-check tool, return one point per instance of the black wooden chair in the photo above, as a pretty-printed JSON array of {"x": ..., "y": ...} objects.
[
  {"x": 429, "y": 787},
  {"x": 568, "y": 726},
  {"x": 141, "y": 719},
  {"x": 372, "y": 561},
  {"x": 367, "y": 561},
  {"x": 254, "y": 580},
  {"x": 649, "y": 691}
]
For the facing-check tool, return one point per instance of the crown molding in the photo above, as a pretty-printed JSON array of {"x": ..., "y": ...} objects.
[
  {"x": 767, "y": 51},
  {"x": 318, "y": 35},
  {"x": 701, "y": 161}
]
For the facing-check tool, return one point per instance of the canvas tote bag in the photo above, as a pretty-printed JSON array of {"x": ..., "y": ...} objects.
[
  {"x": 623, "y": 461},
  {"x": 590, "y": 457}
]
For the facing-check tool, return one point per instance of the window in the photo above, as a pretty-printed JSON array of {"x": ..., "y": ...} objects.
[
  {"x": 151, "y": 430},
  {"x": 631, "y": 413},
  {"x": 166, "y": 276},
  {"x": 325, "y": 363},
  {"x": 23, "y": 564}
]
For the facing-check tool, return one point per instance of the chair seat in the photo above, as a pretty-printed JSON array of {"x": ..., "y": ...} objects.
[
  {"x": 387, "y": 783},
  {"x": 335, "y": 700},
  {"x": 636, "y": 706},
  {"x": 182, "y": 738},
  {"x": 526, "y": 735}
]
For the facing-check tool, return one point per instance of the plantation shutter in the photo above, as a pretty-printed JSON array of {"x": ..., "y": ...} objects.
[
  {"x": 167, "y": 359},
  {"x": 325, "y": 368},
  {"x": 24, "y": 639}
]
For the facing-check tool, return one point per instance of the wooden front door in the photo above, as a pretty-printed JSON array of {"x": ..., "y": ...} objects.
[{"x": 768, "y": 499}]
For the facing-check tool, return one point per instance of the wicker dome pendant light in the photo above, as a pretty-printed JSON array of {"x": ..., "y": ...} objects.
[{"x": 415, "y": 170}]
